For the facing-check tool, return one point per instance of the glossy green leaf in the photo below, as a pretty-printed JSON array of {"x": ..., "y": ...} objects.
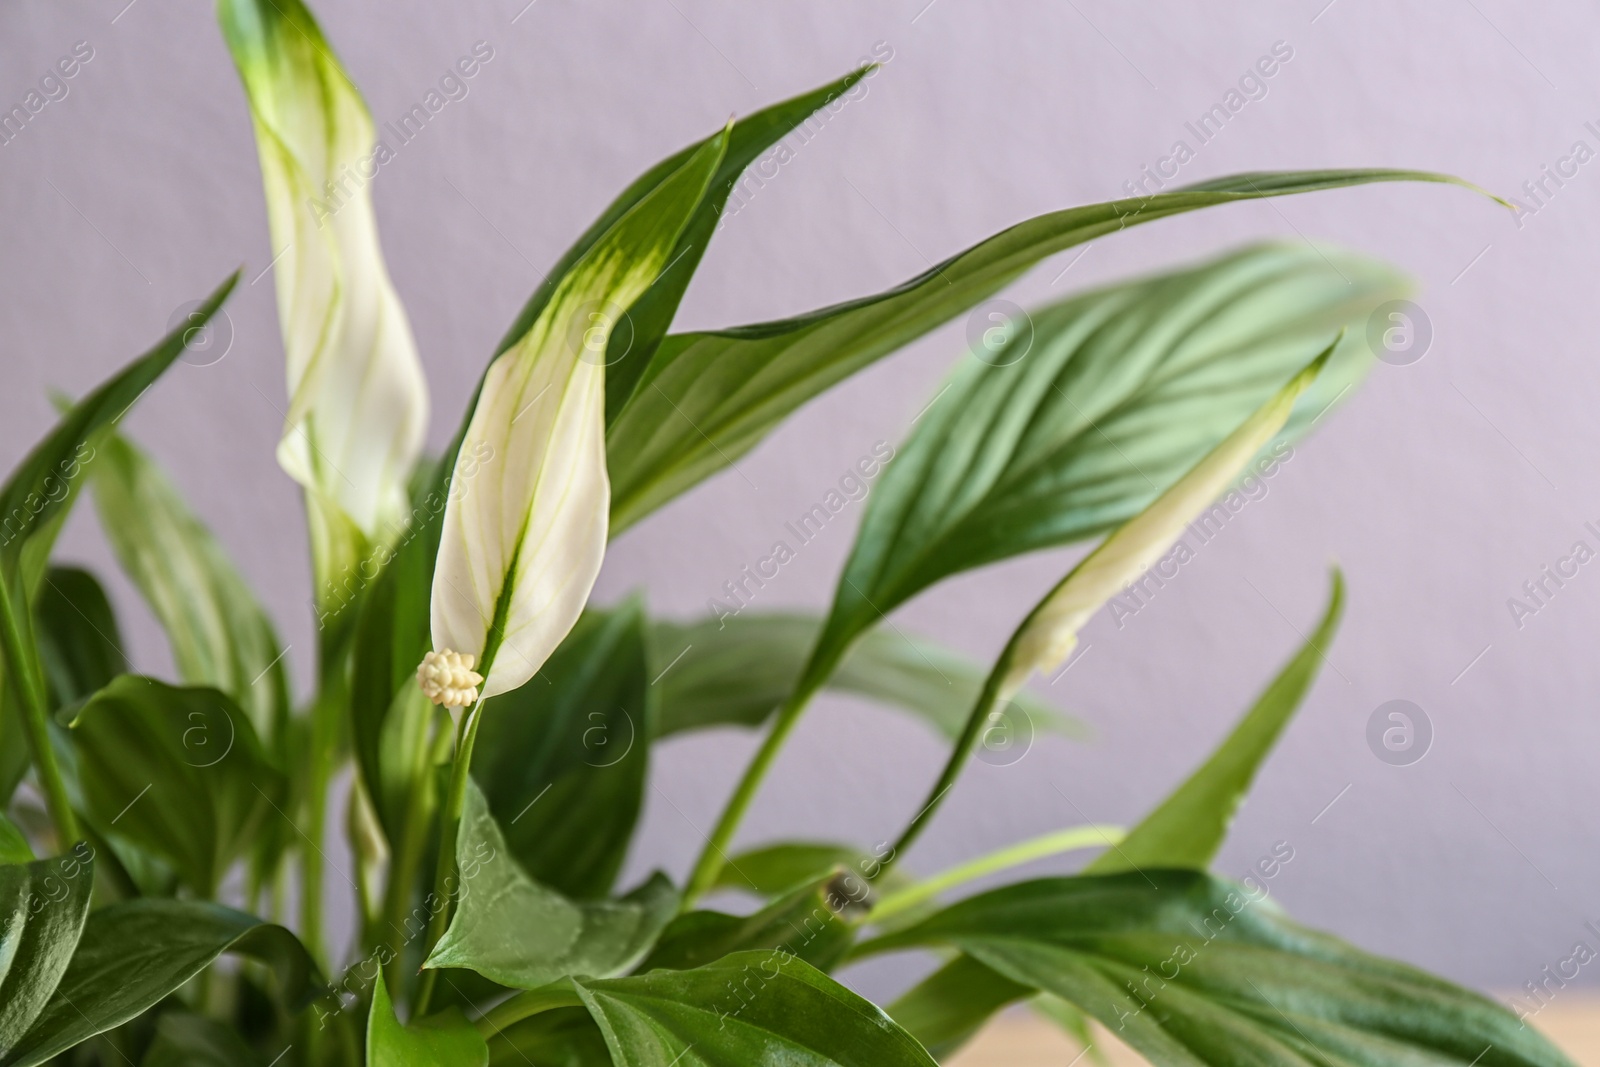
[
  {"x": 760, "y": 1007},
  {"x": 80, "y": 644},
  {"x": 1191, "y": 970},
  {"x": 736, "y": 670},
  {"x": 562, "y": 761},
  {"x": 136, "y": 953},
  {"x": 178, "y": 771},
  {"x": 1188, "y": 828},
  {"x": 1120, "y": 393},
  {"x": 811, "y": 923},
  {"x": 43, "y": 905},
  {"x": 41, "y": 488},
  {"x": 444, "y": 1039},
  {"x": 947, "y": 1008},
  {"x": 184, "y": 1039},
  {"x": 219, "y": 633},
  {"x": 513, "y": 930},
  {"x": 708, "y": 398}
]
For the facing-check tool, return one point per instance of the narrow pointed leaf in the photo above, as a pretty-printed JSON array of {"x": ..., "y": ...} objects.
[
  {"x": 42, "y": 488},
  {"x": 43, "y": 905},
  {"x": 708, "y": 398},
  {"x": 1188, "y": 828},
  {"x": 947, "y": 1008},
  {"x": 444, "y": 1039},
  {"x": 1191, "y": 970},
  {"x": 136, "y": 953},
  {"x": 358, "y": 405},
  {"x": 1120, "y": 393},
  {"x": 522, "y": 543},
  {"x": 810, "y": 923},
  {"x": 777, "y": 868},
  {"x": 514, "y": 931},
  {"x": 790, "y": 1013},
  {"x": 736, "y": 670},
  {"x": 219, "y": 633},
  {"x": 178, "y": 771}
]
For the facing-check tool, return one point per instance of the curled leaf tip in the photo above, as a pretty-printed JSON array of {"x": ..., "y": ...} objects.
[{"x": 447, "y": 678}]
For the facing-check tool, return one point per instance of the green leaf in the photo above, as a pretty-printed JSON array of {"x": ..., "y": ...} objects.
[
  {"x": 13, "y": 843},
  {"x": 41, "y": 489},
  {"x": 1187, "y": 829},
  {"x": 708, "y": 398},
  {"x": 810, "y": 923},
  {"x": 1122, "y": 391},
  {"x": 780, "y": 867},
  {"x": 946, "y": 1009},
  {"x": 1191, "y": 970},
  {"x": 136, "y": 953},
  {"x": 514, "y": 931},
  {"x": 736, "y": 670},
  {"x": 184, "y": 1039},
  {"x": 562, "y": 1037},
  {"x": 80, "y": 644},
  {"x": 629, "y": 351},
  {"x": 444, "y": 1039},
  {"x": 562, "y": 761},
  {"x": 220, "y": 635},
  {"x": 761, "y": 1007},
  {"x": 176, "y": 770},
  {"x": 43, "y": 906}
]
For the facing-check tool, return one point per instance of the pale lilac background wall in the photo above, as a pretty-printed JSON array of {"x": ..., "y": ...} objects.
[{"x": 1441, "y": 487}]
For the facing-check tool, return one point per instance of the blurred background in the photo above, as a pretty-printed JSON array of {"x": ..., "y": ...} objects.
[{"x": 1446, "y": 482}]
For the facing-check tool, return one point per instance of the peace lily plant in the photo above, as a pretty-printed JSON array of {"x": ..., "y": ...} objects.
[{"x": 174, "y": 914}]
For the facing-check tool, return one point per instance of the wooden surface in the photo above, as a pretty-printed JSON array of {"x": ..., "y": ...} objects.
[{"x": 1024, "y": 1040}]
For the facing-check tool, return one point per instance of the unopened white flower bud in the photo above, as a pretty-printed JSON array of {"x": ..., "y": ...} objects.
[{"x": 447, "y": 678}]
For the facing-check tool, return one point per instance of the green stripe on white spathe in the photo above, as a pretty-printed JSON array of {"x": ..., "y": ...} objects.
[
  {"x": 525, "y": 524},
  {"x": 358, "y": 403},
  {"x": 1050, "y": 632}
]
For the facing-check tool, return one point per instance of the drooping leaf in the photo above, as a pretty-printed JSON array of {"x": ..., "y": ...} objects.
[
  {"x": 1192, "y": 970},
  {"x": 219, "y": 633},
  {"x": 809, "y": 923},
  {"x": 736, "y": 670},
  {"x": 135, "y": 953},
  {"x": 947, "y": 1008},
  {"x": 80, "y": 644},
  {"x": 522, "y": 544},
  {"x": 178, "y": 771},
  {"x": 708, "y": 398},
  {"x": 1123, "y": 391},
  {"x": 746, "y": 1008},
  {"x": 43, "y": 905},
  {"x": 513, "y": 930},
  {"x": 1187, "y": 828},
  {"x": 184, "y": 1039},
  {"x": 444, "y": 1039},
  {"x": 562, "y": 761},
  {"x": 358, "y": 401}
]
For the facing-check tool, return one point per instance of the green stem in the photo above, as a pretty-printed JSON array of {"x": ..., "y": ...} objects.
[
  {"x": 715, "y": 854},
  {"x": 27, "y": 686},
  {"x": 449, "y": 829},
  {"x": 408, "y": 856},
  {"x": 319, "y": 763},
  {"x": 526, "y": 1005},
  {"x": 1035, "y": 848}
]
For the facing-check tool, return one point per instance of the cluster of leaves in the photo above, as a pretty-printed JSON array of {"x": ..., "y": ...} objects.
[{"x": 176, "y": 812}]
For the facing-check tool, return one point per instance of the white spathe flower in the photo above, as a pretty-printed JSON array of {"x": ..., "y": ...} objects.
[
  {"x": 358, "y": 404},
  {"x": 525, "y": 530},
  {"x": 1050, "y": 632}
]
